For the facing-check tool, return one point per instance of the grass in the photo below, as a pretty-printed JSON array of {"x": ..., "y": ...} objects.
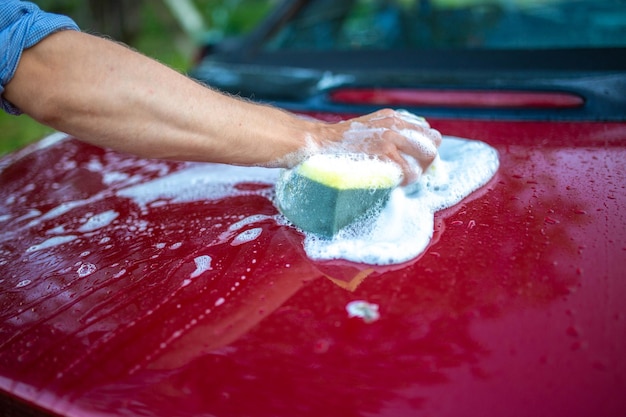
[
  {"x": 154, "y": 41},
  {"x": 18, "y": 131}
]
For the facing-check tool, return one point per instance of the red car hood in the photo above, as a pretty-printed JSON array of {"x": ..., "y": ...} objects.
[{"x": 199, "y": 302}]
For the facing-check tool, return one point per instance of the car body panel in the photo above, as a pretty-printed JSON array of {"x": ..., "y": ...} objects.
[
  {"x": 143, "y": 287},
  {"x": 300, "y": 82},
  {"x": 198, "y": 300}
]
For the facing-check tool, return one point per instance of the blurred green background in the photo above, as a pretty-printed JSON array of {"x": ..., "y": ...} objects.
[{"x": 167, "y": 30}]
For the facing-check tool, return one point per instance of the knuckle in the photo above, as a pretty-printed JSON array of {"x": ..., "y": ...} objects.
[
  {"x": 436, "y": 137},
  {"x": 430, "y": 158},
  {"x": 388, "y": 149},
  {"x": 387, "y": 112}
]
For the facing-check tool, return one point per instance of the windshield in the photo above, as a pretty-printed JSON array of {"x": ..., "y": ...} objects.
[{"x": 448, "y": 24}]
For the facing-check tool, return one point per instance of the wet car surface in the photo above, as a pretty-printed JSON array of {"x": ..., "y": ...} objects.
[{"x": 143, "y": 287}]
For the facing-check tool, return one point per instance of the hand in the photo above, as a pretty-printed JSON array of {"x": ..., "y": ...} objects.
[{"x": 398, "y": 136}]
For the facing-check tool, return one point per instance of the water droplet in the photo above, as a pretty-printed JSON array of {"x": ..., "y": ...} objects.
[
  {"x": 23, "y": 283},
  {"x": 321, "y": 346},
  {"x": 550, "y": 220},
  {"x": 364, "y": 310},
  {"x": 247, "y": 236}
]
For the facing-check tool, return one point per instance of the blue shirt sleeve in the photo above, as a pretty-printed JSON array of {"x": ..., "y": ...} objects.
[{"x": 22, "y": 25}]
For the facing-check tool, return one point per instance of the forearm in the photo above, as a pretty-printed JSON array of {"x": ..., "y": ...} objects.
[{"x": 106, "y": 94}]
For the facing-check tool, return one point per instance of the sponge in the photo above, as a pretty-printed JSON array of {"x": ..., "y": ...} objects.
[{"x": 328, "y": 192}]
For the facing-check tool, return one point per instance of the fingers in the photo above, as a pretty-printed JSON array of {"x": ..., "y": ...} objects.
[
  {"x": 393, "y": 135},
  {"x": 399, "y": 136},
  {"x": 411, "y": 170}
]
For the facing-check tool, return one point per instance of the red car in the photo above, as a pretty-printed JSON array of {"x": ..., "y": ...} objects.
[{"x": 134, "y": 287}]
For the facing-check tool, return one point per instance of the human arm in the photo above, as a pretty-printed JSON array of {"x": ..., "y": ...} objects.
[{"x": 109, "y": 95}]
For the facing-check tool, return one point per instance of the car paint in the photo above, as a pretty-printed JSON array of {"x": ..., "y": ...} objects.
[
  {"x": 200, "y": 301},
  {"x": 180, "y": 306}
]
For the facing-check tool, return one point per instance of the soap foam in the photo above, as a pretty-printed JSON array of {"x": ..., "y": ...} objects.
[
  {"x": 99, "y": 221},
  {"x": 86, "y": 269},
  {"x": 203, "y": 264},
  {"x": 424, "y": 141},
  {"x": 52, "y": 242},
  {"x": 368, "y": 312},
  {"x": 197, "y": 182},
  {"x": 405, "y": 226},
  {"x": 248, "y": 220},
  {"x": 400, "y": 232},
  {"x": 247, "y": 236}
]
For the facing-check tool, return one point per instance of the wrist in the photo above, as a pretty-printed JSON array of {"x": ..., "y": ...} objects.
[{"x": 294, "y": 139}]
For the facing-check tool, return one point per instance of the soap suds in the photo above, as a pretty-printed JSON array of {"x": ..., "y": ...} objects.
[
  {"x": 247, "y": 236},
  {"x": 405, "y": 226},
  {"x": 86, "y": 269},
  {"x": 23, "y": 283},
  {"x": 196, "y": 183},
  {"x": 247, "y": 221},
  {"x": 52, "y": 242},
  {"x": 364, "y": 310},
  {"x": 98, "y": 221},
  {"x": 203, "y": 264},
  {"x": 400, "y": 232}
]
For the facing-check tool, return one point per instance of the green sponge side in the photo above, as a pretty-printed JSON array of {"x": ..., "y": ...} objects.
[{"x": 325, "y": 209}]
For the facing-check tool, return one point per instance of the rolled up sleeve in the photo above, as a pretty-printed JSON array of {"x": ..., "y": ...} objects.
[{"x": 22, "y": 25}]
